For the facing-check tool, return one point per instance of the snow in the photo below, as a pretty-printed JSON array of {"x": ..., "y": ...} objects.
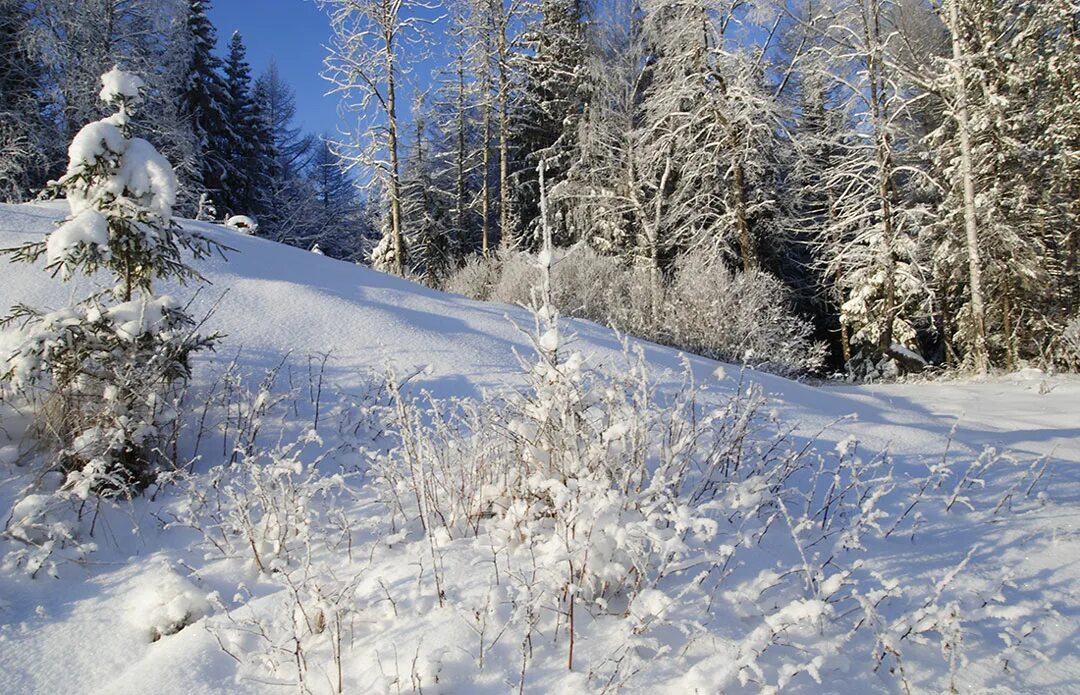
[
  {"x": 142, "y": 172},
  {"x": 117, "y": 83},
  {"x": 148, "y": 177},
  {"x": 166, "y": 603},
  {"x": 242, "y": 223},
  {"x": 87, "y": 228},
  {"x": 139, "y": 317},
  {"x": 93, "y": 141},
  {"x": 92, "y": 628}
]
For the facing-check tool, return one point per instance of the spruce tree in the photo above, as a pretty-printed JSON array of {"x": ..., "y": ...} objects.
[
  {"x": 105, "y": 370},
  {"x": 247, "y": 148},
  {"x": 204, "y": 103}
]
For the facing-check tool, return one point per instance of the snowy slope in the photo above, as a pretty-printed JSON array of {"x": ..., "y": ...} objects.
[
  {"x": 272, "y": 298},
  {"x": 76, "y": 634}
]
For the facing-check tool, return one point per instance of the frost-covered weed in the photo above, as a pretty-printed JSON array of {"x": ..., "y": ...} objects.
[
  {"x": 296, "y": 637},
  {"x": 616, "y": 500},
  {"x": 638, "y": 536},
  {"x": 271, "y": 490},
  {"x": 46, "y": 530},
  {"x": 279, "y": 506}
]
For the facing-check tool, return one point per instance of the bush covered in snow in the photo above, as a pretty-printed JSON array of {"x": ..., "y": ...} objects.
[
  {"x": 102, "y": 373},
  {"x": 704, "y": 307},
  {"x": 602, "y": 500}
]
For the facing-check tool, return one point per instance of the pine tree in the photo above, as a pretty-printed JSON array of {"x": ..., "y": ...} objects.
[
  {"x": 429, "y": 215},
  {"x": 340, "y": 227},
  {"x": 247, "y": 149},
  {"x": 109, "y": 364},
  {"x": 205, "y": 102},
  {"x": 285, "y": 198},
  {"x": 75, "y": 41},
  {"x": 276, "y": 102}
]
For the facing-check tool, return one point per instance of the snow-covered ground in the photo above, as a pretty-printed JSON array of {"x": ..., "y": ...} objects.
[{"x": 90, "y": 629}]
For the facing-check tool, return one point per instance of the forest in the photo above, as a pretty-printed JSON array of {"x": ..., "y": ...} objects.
[{"x": 859, "y": 188}]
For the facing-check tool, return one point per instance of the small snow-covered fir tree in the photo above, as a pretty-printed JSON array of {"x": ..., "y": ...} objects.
[{"x": 103, "y": 372}]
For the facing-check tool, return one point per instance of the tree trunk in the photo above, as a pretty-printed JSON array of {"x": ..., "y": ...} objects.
[
  {"x": 1007, "y": 327},
  {"x": 392, "y": 143},
  {"x": 504, "y": 138},
  {"x": 460, "y": 192},
  {"x": 746, "y": 241},
  {"x": 485, "y": 191},
  {"x": 971, "y": 233}
]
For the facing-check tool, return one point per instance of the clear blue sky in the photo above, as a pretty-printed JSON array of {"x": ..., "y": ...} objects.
[{"x": 292, "y": 33}]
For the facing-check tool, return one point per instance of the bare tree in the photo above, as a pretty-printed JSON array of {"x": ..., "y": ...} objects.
[{"x": 373, "y": 42}]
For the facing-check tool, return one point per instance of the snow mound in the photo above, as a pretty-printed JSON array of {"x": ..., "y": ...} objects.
[
  {"x": 242, "y": 223},
  {"x": 167, "y": 603}
]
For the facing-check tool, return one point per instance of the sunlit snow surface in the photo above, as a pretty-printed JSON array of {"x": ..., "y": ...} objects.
[{"x": 88, "y": 631}]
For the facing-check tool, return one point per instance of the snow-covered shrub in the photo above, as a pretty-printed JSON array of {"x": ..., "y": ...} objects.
[
  {"x": 383, "y": 257},
  {"x": 588, "y": 284},
  {"x": 741, "y": 317},
  {"x": 744, "y": 318},
  {"x": 297, "y": 637},
  {"x": 263, "y": 505},
  {"x": 104, "y": 373},
  {"x": 517, "y": 279},
  {"x": 474, "y": 279},
  {"x": 276, "y": 491},
  {"x": 1068, "y": 346},
  {"x": 273, "y": 510},
  {"x": 46, "y": 534}
]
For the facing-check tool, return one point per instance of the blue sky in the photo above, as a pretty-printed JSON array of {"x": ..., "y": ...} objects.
[{"x": 293, "y": 33}]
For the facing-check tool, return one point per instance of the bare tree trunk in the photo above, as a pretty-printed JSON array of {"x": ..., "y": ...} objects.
[
  {"x": 460, "y": 192},
  {"x": 504, "y": 137},
  {"x": 979, "y": 355},
  {"x": 1012, "y": 350},
  {"x": 746, "y": 241},
  {"x": 845, "y": 342},
  {"x": 392, "y": 142},
  {"x": 883, "y": 156},
  {"x": 485, "y": 195},
  {"x": 1072, "y": 270}
]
